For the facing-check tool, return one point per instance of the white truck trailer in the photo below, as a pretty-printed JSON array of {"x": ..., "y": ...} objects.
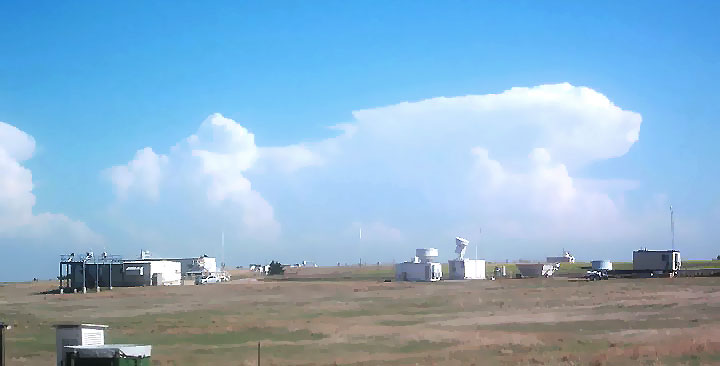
[{"x": 466, "y": 269}]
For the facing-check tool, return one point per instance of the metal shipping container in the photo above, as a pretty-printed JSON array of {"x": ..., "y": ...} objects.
[{"x": 656, "y": 260}]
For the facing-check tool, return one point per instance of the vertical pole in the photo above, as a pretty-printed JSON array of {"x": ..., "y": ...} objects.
[
  {"x": 84, "y": 277},
  {"x": 110, "y": 276},
  {"x": 61, "y": 278},
  {"x": 97, "y": 276},
  {"x": 2, "y": 344},
  {"x": 258, "y": 355}
]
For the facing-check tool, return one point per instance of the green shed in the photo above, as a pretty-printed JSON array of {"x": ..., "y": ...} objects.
[{"x": 108, "y": 355}]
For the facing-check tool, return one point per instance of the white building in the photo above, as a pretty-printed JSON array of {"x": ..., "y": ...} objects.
[
  {"x": 566, "y": 258},
  {"x": 656, "y": 260},
  {"x": 421, "y": 268},
  {"x": 191, "y": 266},
  {"x": 88, "y": 271},
  {"x": 151, "y": 273},
  {"x": 462, "y": 268}
]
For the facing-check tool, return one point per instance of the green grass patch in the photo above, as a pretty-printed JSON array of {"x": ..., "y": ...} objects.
[
  {"x": 699, "y": 264},
  {"x": 227, "y": 338}
]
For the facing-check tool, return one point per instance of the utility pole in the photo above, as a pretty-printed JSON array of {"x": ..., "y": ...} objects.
[
  {"x": 258, "y": 355},
  {"x": 3, "y": 326}
]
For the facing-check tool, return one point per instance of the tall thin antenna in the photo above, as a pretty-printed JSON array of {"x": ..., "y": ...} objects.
[
  {"x": 476, "y": 256},
  {"x": 476, "y": 246},
  {"x": 672, "y": 227}
]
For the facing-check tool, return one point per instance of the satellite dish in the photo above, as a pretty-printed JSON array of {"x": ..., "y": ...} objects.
[{"x": 460, "y": 247}]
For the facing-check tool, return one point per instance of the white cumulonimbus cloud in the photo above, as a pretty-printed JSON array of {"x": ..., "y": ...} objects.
[
  {"x": 18, "y": 223},
  {"x": 504, "y": 160},
  {"x": 508, "y": 161},
  {"x": 206, "y": 171}
]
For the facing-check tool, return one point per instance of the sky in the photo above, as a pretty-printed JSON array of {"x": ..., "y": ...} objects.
[{"x": 527, "y": 127}]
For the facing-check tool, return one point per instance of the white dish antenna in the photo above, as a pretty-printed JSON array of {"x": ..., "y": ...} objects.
[
  {"x": 426, "y": 255},
  {"x": 460, "y": 247}
]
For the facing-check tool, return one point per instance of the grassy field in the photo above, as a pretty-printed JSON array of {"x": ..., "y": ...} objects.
[{"x": 349, "y": 316}]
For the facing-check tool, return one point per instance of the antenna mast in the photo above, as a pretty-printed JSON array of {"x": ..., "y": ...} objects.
[
  {"x": 476, "y": 247},
  {"x": 672, "y": 227}
]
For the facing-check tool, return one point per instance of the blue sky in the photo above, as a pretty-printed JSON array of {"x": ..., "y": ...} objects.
[{"x": 94, "y": 83}]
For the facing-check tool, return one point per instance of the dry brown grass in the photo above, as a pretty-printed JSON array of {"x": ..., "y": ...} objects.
[{"x": 307, "y": 321}]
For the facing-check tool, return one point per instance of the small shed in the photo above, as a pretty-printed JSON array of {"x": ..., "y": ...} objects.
[{"x": 77, "y": 335}]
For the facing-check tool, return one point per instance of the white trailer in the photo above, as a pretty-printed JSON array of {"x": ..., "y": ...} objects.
[
  {"x": 656, "y": 260},
  {"x": 466, "y": 269}
]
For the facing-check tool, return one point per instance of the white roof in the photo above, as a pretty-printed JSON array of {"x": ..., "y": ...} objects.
[{"x": 75, "y": 325}]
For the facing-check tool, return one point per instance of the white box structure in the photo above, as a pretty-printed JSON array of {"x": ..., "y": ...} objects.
[
  {"x": 77, "y": 335},
  {"x": 419, "y": 272},
  {"x": 466, "y": 269},
  {"x": 422, "y": 267},
  {"x": 462, "y": 268}
]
